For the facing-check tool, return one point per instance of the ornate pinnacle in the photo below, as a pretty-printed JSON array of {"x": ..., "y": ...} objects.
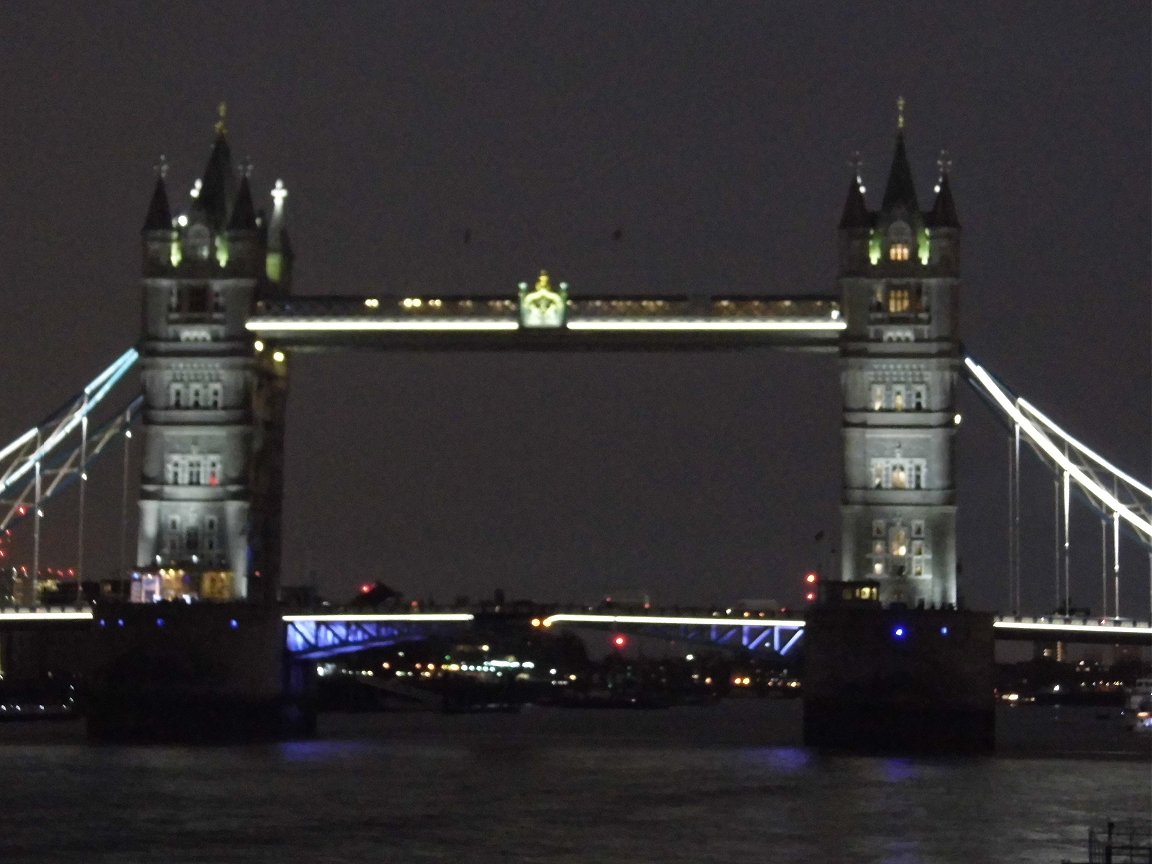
[
  {"x": 900, "y": 112},
  {"x": 222, "y": 112}
]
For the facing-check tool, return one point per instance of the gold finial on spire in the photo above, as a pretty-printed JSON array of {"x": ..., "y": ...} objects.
[
  {"x": 900, "y": 112},
  {"x": 161, "y": 167},
  {"x": 542, "y": 283},
  {"x": 944, "y": 162},
  {"x": 222, "y": 112}
]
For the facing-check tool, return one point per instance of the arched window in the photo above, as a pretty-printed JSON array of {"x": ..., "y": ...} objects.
[{"x": 899, "y": 241}]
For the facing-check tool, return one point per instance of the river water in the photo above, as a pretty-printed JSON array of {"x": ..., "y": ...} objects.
[{"x": 720, "y": 783}]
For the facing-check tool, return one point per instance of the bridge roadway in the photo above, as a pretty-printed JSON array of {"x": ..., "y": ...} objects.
[
  {"x": 321, "y": 634},
  {"x": 487, "y": 323}
]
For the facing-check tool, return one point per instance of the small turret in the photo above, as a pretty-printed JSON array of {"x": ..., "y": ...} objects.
[
  {"x": 159, "y": 216},
  {"x": 943, "y": 213},
  {"x": 243, "y": 216},
  {"x": 278, "y": 265}
]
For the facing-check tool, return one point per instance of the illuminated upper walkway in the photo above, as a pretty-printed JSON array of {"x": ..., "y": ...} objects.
[{"x": 589, "y": 323}]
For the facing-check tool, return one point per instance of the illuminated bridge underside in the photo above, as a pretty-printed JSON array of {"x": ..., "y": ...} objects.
[
  {"x": 779, "y": 635},
  {"x": 591, "y": 324},
  {"x": 317, "y": 636}
]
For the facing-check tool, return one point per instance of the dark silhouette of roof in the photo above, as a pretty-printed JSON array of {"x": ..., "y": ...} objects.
[
  {"x": 943, "y": 213},
  {"x": 901, "y": 190},
  {"x": 216, "y": 186},
  {"x": 243, "y": 213},
  {"x": 855, "y": 213},
  {"x": 159, "y": 216}
]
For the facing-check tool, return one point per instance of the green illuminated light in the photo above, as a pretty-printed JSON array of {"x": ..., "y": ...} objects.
[
  {"x": 222, "y": 251},
  {"x": 874, "y": 247},
  {"x": 925, "y": 246},
  {"x": 274, "y": 266}
]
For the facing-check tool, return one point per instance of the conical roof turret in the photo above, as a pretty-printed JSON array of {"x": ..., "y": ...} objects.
[
  {"x": 943, "y": 213},
  {"x": 218, "y": 184},
  {"x": 855, "y": 213},
  {"x": 243, "y": 216},
  {"x": 159, "y": 216},
  {"x": 900, "y": 192}
]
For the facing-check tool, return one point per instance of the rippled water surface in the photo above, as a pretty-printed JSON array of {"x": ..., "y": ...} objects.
[{"x": 724, "y": 783}]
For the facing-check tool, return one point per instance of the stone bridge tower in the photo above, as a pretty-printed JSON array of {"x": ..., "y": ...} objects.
[
  {"x": 899, "y": 281},
  {"x": 211, "y": 478}
]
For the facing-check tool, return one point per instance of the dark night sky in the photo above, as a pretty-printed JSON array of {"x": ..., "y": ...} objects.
[{"x": 716, "y": 138}]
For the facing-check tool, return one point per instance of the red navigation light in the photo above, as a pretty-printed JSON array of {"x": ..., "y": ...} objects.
[
  {"x": 620, "y": 640},
  {"x": 810, "y": 596},
  {"x": 366, "y": 587},
  {"x": 811, "y": 577}
]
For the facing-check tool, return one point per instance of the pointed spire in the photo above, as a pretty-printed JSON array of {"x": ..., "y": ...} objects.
[
  {"x": 218, "y": 184},
  {"x": 943, "y": 213},
  {"x": 901, "y": 190},
  {"x": 855, "y": 213},
  {"x": 243, "y": 212},
  {"x": 159, "y": 216}
]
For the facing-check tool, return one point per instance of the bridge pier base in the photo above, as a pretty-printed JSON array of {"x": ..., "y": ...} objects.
[
  {"x": 204, "y": 672},
  {"x": 899, "y": 680}
]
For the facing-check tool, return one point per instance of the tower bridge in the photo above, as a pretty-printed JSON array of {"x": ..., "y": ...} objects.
[{"x": 221, "y": 322}]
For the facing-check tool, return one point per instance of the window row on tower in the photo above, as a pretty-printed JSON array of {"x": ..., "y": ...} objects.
[
  {"x": 193, "y": 534},
  {"x": 183, "y": 394},
  {"x": 192, "y": 469},
  {"x": 195, "y": 299},
  {"x": 899, "y": 300},
  {"x": 900, "y": 549},
  {"x": 898, "y": 397},
  {"x": 899, "y": 473}
]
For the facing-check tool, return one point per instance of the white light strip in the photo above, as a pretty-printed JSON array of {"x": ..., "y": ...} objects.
[
  {"x": 46, "y": 616},
  {"x": 1103, "y": 629},
  {"x": 394, "y": 616},
  {"x": 687, "y": 325},
  {"x": 122, "y": 364},
  {"x": 1081, "y": 448},
  {"x": 19, "y": 442},
  {"x": 578, "y": 618},
  {"x": 1054, "y": 453},
  {"x": 103, "y": 382},
  {"x": 260, "y": 325}
]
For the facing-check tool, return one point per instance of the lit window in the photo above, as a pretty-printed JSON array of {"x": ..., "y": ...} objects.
[
  {"x": 898, "y": 543},
  {"x": 899, "y": 477},
  {"x": 898, "y": 398},
  {"x": 899, "y": 473},
  {"x": 899, "y": 299},
  {"x": 898, "y": 252},
  {"x": 877, "y": 397}
]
